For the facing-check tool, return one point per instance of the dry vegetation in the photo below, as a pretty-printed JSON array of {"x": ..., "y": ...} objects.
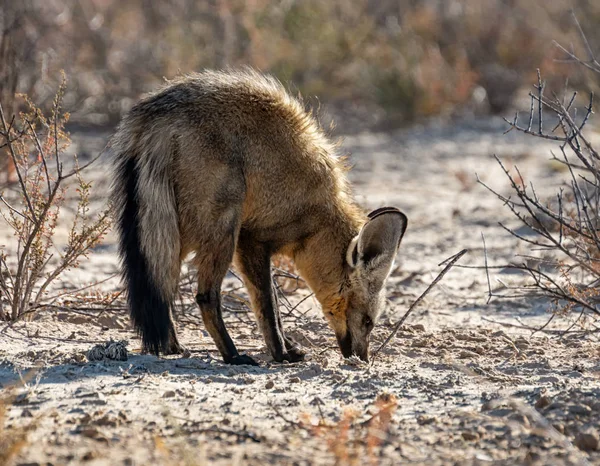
[
  {"x": 396, "y": 61},
  {"x": 36, "y": 145},
  {"x": 563, "y": 258}
]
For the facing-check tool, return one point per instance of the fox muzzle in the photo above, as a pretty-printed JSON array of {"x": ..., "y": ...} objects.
[{"x": 350, "y": 347}]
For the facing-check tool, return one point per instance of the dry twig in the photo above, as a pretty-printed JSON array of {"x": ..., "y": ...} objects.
[{"x": 449, "y": 264}]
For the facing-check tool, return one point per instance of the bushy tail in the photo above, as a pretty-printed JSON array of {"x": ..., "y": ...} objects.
[{"x": 149, "y": 244}]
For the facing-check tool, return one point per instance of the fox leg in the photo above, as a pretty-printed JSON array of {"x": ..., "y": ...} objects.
[
  {"x": 294, "y": 349},
  {"x": 174, "y": 346},
  {"x": 254, "y": 261},
  {"x": 212, "y": 261}
]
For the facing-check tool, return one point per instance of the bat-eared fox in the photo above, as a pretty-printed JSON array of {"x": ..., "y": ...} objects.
[{"x": 228, "y": 166}]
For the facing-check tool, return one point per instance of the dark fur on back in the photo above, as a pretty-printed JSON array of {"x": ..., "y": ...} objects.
[{"x": 148, "y": 309}]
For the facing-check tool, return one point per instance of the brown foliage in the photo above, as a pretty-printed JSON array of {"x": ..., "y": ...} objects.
[
  {"x": 352, "y": 442},
  {"x": 411, "y": 58}
]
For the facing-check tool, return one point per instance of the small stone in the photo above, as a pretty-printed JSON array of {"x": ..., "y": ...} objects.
[
  {"x": 582, "y": 410},
  {"x": 466, "y": 354},
  {"x": 548, "y": 379},
  {"x": 169, "y": 394},
  {"x": 423, "y": 420},
  {"x": 542, "y": 402},
  {"x": 521, "y": 343},
  {"x": 559, "y": 428},
  {"x": 520, "y": 418},
  {"x": 468, "y": 436},
  {"x": 295, "y": 380},
  {"x": 92, "y": 432},
  {"x": 587, "y": 441},
  {"x": 269, "y": 385},
  {"x": 418, "y": 328},
  {"x": 90, "y": 455},
  {"x": 421, "y": 343},
  {"x": 106, "y": 420},
  {"x": 532, "y": 458}
]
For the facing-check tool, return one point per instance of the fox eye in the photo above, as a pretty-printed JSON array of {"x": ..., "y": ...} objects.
[{"x": 368, "y": 321}]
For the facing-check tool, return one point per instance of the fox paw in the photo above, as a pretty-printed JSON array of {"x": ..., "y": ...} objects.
[
  {"x": 241, "y": 360},
  {"x": 176, "y": 348},
  {"x": 294, "y": 354}
]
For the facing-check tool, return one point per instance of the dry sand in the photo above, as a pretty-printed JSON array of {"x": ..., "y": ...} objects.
[{"x": 464, "y": 387}]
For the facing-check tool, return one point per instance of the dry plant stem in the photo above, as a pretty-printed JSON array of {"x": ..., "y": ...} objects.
[
  {"x": 35, "y": 224},
  {"x": 449, "y": 264},
  {"x": 568, "y": 231},
  {"x": 487, "y": 272},
  {"x": 18, "y": 302}
]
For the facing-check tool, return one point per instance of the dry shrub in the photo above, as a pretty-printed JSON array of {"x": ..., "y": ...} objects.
[
  {"x": 413, "y": 58},
  {"x": 352, "y": 442},
  {"x": 563, "y": 259},
  {"x": 36, "y": 144}
]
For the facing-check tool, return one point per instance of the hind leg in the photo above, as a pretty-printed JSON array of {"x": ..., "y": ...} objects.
[
  {"x": 174, "y": 346},
  {"x": 213, "y": 260}
]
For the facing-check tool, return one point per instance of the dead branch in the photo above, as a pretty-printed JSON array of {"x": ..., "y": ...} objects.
[{"x": 449, "y": 264}]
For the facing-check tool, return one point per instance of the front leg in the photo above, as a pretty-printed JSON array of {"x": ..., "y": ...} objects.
[{"x": 254, "y": 262}]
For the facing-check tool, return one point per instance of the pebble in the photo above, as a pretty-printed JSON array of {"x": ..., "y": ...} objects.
[
  {"x": 587, "y": 441},
  {"x": 465, "y": 354},
  {"x": 423, "y": 420},
  {"x": 559, "y": 427},
  {"x": 580, "y": 410},
  {"x": 470, "y": 435},
  {"x": 269, "y": 385},
  {"x": 520, "y": 418},
  {"x": 542, "y": 402},
  {"x": 169, "y": 394}
]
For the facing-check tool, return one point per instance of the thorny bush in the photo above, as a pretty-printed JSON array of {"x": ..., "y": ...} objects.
[
  {"x": 564, "y": 229},
  {"x": 36, "y": 144}
]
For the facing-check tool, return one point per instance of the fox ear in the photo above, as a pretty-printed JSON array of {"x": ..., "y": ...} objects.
[
  {"x": 352, "y": 252},
  {"x": 377, "y": 243}
]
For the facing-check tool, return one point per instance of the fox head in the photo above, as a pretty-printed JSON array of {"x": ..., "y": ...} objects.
[{"x": 354, "y": 311}]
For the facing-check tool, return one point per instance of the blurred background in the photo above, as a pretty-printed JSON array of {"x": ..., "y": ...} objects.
[{"x": 369, "y": 64}]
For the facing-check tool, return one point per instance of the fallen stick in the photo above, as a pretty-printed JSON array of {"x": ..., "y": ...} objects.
[{"x": 449, "y": 264}]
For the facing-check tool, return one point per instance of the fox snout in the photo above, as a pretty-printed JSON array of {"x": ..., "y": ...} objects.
[{"x": 353, "y": 347}]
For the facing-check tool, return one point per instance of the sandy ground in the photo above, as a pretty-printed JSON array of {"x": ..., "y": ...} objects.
[{"x": 458, "y": 385}]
